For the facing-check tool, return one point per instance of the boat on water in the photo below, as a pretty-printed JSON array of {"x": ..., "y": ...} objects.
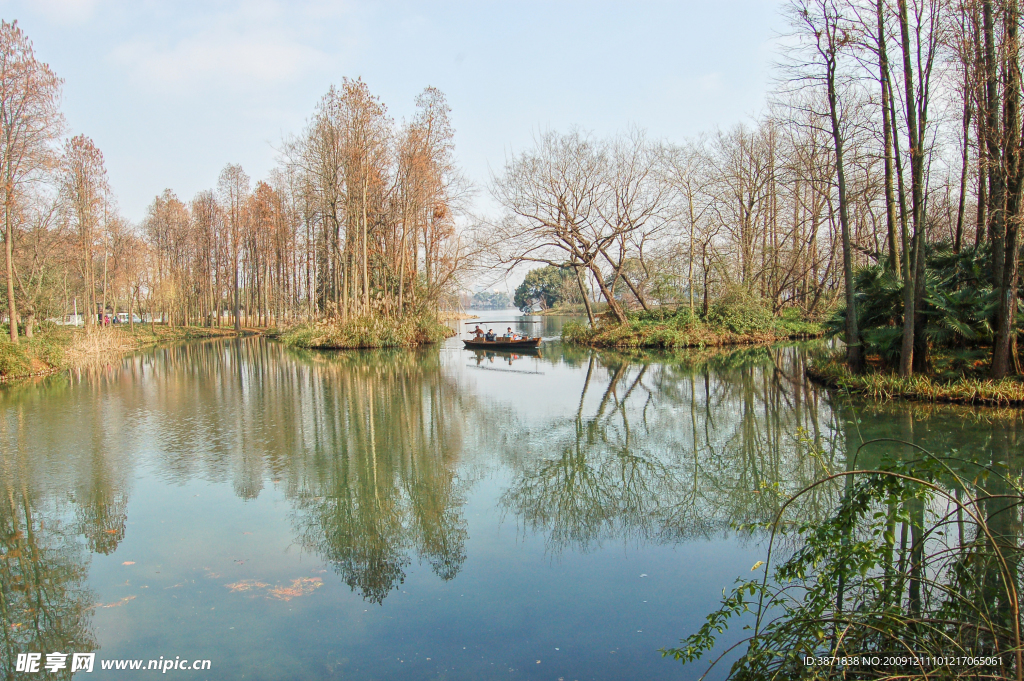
[{"x": 502, "y": 344}]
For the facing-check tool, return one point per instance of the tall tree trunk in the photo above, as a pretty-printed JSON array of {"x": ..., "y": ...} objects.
[
  {"x": 234, "y": 268},
  {"x": 901, "y": 193},
  {"x": 345, "y": 302},
  {"x": 105, "y": 254},
  {"x": 12, "y": 309},
  {"x": 887, "y": 142},
  {"x": 911, "y": 329},
  {"x": 854, "y": 349},
  {"x": 980, "y": 229},
  {"x": 609, "y": 296},
  {"x": 920, "y": 363},
  {"x": 91, "y": 278},
  {"x": 689, "y": 267},
  {"x": 366, "y": 277},
  {"x": 401, "y": 266},
  {"x": 961, "y": 205},
  {"x": 1006, "y": 284},
  {"x": 993, "y": 138},
  {"x": 586, "y": 298}
]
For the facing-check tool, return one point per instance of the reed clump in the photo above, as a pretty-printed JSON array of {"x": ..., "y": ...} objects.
[
  {"x": 884, "y": 385},
  {"x": 101, "y": 346},
  {"x": 368, "y": 331}
]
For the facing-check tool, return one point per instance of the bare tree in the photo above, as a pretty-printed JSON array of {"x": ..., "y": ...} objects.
[
  {"x": 233, "y": 189},
  {"x": 686, "y": 172},
  {"x": 551, "y": 198},
  {"x": 826, "y": 32},
  {"x": 83, "y": 186},
  {"x": 30, "y": 121},
  {"x": 635, "y": 203}
]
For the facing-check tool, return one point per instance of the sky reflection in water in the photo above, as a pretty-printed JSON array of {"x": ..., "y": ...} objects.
[{"x": 437, "y": 514}]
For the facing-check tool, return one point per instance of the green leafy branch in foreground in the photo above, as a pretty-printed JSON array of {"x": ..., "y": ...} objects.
[{"x": 917, "y": 560}]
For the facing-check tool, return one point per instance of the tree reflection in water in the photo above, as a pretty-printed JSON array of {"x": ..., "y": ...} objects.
[
  {"x": 52, "y": 514},
  {"x": 665, "y": 448},
  {"x": 377, "y": 482},
  {"x": 45, "y": 605},
  {"x": 365, "y": 444},
  {"x": 376, "y": 451}
]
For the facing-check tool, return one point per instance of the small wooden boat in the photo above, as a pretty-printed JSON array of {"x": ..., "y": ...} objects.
[{"x": 502, "y": 344}]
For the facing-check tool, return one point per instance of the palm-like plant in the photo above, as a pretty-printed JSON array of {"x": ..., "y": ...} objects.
[{"x": 959, "y": 306}]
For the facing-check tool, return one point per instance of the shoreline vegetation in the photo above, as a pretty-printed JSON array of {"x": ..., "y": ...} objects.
[
  {"x": 366, "y": 331},
  {"x": 568, "y": 309},
  {"x": 743, "y": 321},
  {"x": 455, "y": 315},
  {"x": 57, "y": 348},
  {"x": 833, "y": 372},
  {"x": 54, "y": 348}
]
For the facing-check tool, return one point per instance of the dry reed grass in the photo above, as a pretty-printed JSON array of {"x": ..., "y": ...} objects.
[
  {"x": 830, "y": 371},
  {"x": 100, "y": 346}
]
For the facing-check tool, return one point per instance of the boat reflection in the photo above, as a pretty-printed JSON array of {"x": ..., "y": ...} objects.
[
  {"x": 377, "y": 452},
  {"x": 483, "y": 357}
]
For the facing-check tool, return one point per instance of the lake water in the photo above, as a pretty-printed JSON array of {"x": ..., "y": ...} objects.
[{"x": 429, "y": 514}]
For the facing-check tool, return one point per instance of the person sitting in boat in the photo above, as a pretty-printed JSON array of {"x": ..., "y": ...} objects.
[
  {"x": 490, "y": 335},
  {"x": 511, "y": 335},
  {"x": 478, "y": 333}
]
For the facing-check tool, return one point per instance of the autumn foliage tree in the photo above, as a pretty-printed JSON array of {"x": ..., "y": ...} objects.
[
  {"x": 30, "y": 121},
  {"x": 84, "y": 188}
]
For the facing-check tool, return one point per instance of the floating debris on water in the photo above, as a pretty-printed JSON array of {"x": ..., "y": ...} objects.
[{"x": 115, "y": 603}]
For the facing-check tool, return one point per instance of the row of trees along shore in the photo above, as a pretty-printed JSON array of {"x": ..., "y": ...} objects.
[
  {"x": 358, "y": 218},
  {"x": 894, "y": 132}
]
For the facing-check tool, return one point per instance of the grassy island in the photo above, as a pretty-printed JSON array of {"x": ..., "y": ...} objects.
[
  {"x": 731, "y": 322},
  {"x": 366, "y": 332}
]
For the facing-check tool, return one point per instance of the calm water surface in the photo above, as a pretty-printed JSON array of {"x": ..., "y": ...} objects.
[{"x": 437, "y": 514}]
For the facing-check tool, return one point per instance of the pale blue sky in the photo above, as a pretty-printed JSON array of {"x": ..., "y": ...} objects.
[{"x": 172, "y": 91}]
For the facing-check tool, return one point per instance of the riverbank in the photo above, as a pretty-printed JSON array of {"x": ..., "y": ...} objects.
[
  {"x": 454, "y": 316},
  {"x": 58, "y": 348},
  {"x": 567, "y": 310},
  {"x": 366, "y": 332},
  {"x": 674, "y": 330},
  {"x": 832, "y": 372}
]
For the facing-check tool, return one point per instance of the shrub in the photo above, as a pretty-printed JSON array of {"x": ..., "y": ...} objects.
[
  {"x": 884, "y": 341},
  {"x": 793, "y": 322},
  {"x": 13, "y": 360},
  {"x": 577, "y": 332},
  {"x": 740, "y": 311},
  {"x": 680, "y": 317},
  {"x": 50, "y": 350}
]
